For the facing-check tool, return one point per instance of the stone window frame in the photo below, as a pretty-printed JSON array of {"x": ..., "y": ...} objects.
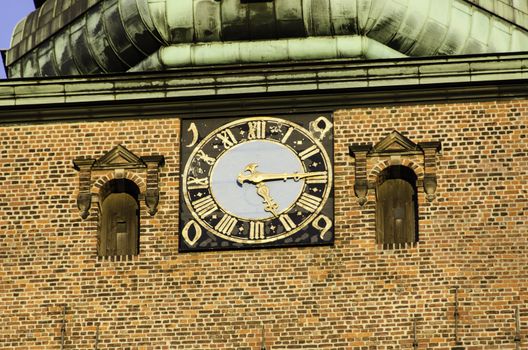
[
  {"x": 395, "y": 149},
  {"x": 118, "y": 163}
]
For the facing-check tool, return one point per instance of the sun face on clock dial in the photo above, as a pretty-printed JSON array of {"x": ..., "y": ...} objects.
[{"x": 256, "y": 182}]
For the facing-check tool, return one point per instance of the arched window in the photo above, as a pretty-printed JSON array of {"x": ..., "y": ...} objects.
[
  {"x": 119, "y": 219},
  {"x": 396, "y": 207}
]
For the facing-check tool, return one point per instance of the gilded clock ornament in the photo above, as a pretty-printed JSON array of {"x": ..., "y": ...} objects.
[{"x": 256, "y": 182}]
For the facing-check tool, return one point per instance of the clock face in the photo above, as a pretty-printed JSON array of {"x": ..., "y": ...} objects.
[{"x": 256, "y": 182}]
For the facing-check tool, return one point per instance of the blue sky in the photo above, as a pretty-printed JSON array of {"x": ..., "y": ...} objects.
[{"x": 11, "y": 12}]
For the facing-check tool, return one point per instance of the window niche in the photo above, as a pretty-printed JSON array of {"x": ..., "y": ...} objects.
[
  {"x": 124, "y": 179},
  {"x": 119, "y": 219},
  {"x": 396, "y": 206},
  {"x": 396, "y": 169}
]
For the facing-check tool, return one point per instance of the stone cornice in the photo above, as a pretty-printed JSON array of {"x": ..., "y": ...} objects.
[{"x": 322, "y": 85}]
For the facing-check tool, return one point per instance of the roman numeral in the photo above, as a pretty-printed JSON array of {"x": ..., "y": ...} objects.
[
  {"x": 287, "y": 135},
  {"x": 287, "y": 222},
  {"x": 205, "y": 206},
  {"x": 194, "y": 183},
  {"x": 226, "y": 224},
  {"x": 202, "y": 156},
  {"x": 227, "y": 138},
  {"x": 310, "y": 151},
  {"x": 256, "y": 230},
  {"x": 318, "y": 179},
  {"x": 257, "y": 130},
  {"x": 309, "y": 202}
]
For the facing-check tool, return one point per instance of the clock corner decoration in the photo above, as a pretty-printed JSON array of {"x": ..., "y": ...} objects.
[{"x": 256, "y": 182}]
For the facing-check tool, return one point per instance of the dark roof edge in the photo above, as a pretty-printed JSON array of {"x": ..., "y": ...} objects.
[
  {"x": 3, "y": 58},
  {"x": 39, "y": 3}
]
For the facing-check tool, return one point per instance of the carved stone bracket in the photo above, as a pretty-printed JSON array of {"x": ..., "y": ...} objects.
[
  {"x": 394, "y": 147},
  {"x": 359, "y": 152},
  {"x": 430, "y": 149},
  {"x": 118, "y": 159},
  {"x": 152, "y": 196},
  {"x": 84, "y": 199}
]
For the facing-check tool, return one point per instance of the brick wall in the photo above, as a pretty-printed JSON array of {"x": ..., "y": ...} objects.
[{"x": 354, "y": 295}]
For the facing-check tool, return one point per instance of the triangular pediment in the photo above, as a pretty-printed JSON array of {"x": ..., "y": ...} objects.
[
  {"x": 119, "y": 157},
  {"x": 395, "y": 143}
]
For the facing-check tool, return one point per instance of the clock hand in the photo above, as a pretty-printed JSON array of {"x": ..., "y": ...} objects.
[
  {"x": 263, "y": 191},
  {"x": 256, "y": 177}
]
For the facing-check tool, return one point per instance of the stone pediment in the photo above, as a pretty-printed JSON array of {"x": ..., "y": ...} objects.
[
  {"x": 395, "y": 143},
  {"x": 119, "y": 157},
  {"x": 390, "y": 150}
]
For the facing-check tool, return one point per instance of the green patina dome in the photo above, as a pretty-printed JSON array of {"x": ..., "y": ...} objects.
[{"x": 69, "y": 37}]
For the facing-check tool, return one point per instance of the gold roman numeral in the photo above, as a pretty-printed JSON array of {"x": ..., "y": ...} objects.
[
  {"x": 320, "y": 178},
  {"x": 226, "y": 224},
  {"x": 205, "y": 206},
  {"x": 310, "y": 151},
  {"x": 194, "y": 183},
  {"x": 257, "y": 130},
  {"x": 227, "y": 138},
  {"x": 309, "y": 202},
  {"x": 202, "y": 156},
  {"x": 256, "y": 230},
  {"x": 287, "y": 222},
  {"x": 287, "y": 135}
]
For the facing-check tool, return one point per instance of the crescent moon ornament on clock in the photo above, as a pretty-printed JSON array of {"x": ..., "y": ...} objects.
[{"x": 257, "y": 182}]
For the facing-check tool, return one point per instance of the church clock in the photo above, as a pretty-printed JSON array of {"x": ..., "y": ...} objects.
[{"x": 256, "y": 182}]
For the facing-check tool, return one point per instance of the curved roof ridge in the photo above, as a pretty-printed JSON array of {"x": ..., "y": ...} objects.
[
  {"x": 514, "y": 11},
  {"x": 49, "y": 17}
]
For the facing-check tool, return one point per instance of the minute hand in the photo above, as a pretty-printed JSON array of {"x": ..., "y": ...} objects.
[{"x": 258, "y": 177}]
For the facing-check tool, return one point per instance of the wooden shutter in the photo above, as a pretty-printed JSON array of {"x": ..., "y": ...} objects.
[
  {"x": 119, "y": 225},
  {"x": 395, "y": 212}
]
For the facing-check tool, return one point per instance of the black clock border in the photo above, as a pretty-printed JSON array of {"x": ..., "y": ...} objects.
[{"x": 216, "y": 243}]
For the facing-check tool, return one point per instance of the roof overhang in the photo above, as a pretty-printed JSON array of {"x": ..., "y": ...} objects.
[{"x": 272, "y": 88}]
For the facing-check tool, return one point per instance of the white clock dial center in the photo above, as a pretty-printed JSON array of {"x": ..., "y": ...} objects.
[{"x": 242, "y": 199}]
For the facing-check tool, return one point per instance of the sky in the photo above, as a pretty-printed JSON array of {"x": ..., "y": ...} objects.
[{"x": 11, "y": 12}]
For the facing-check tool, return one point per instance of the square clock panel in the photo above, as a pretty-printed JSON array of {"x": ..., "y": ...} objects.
[{"x": 256, "y": 182}]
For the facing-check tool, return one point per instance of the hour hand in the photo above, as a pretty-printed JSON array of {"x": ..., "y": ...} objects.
[{"x": 270, "y": 205}]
